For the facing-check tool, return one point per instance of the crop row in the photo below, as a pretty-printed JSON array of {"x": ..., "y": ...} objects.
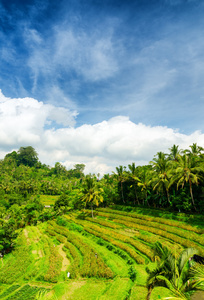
[
  {"x": 10, "y": 290},
  {"x": 71, "y": 250},
  {"x": 150, "y": 238},
  {"x": 76, "y": 265},
  {"x": 179, "y": 232},
  {"x": 108, "y": 243},
  {"x": 112, "y": 236},
  {"x": 146, "y": 250},
  {"x": 146, "y": 238},
  {"x": 154, "y": 219},
  {"x": 93, "y": 266},
  {"x": 177, "y": 239},
  {"x": 25, "y": 293},
  {"x": 104, "y": 223},
  {"x": 18, "y": 264},
  {"x": 55, "y": 264}
]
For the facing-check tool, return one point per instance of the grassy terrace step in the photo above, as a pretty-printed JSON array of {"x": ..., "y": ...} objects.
[
  {"x": 114, "y": 260},
  {"x": 92, "y": 266},
  {"x": 187, "y": 239},
  {"x": 132, "y": 223},
  {"x": 18, "y": 263},
  {"x": 104, "y": 223},
  {"x": 155, "y": 219},
  {"x": 145, "y": 236},
  {"x": 183, "y": 232},
  {"x": 71, "y": 251},
  {"x": 152, "y": 238},
  {"x": 9, "y": 290},
  {"x": 182, "y": 219},
  {"x": 113, "y": 237},
  {"x": 25, "y": 293}
]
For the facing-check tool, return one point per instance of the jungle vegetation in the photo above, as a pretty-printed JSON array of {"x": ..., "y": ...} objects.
[{"x": 137, "y": 218}]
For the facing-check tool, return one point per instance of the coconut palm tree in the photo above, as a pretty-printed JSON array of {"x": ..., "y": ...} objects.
[
  {"x": 187, "y": 171},
  {"x": 120, "y": 177},
  {"x": 133, "y": 176},
  {"x": 195, "y": 150},
  {"x": 197, "y": 274},
  {"x": 160, "y": 179},
  {"x": 171, "y": 271},
  {"x": 92, "y": 192},
  {"x": 174, "y": 152},
  {"x": 144, "y": 182}
]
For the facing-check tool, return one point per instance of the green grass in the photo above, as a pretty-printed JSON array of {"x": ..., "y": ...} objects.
[
  {"x": 29, "y": 263},
  {"x": 138, "y": 292},
  {"x": 115, "y": 262},
  {"x": 48, "y": 199},
  {"x": 119, "y": 289},
  {"x": 160, "y": 292}
]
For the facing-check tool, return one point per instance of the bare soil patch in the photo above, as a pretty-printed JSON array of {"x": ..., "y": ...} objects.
[{"x": 65, "y": 262}]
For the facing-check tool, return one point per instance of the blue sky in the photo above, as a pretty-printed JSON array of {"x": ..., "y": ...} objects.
[{"x": 79, "y": 71}]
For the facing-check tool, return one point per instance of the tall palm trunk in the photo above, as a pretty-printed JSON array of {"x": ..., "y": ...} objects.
[
  {"x": 136, "y": 198},
  {"x": 191, "y": 192},
  {"x": 149, "y": 292},
  {"x": 168, "y": 198},
  {"x": 122, "y": 192},
  {"x": 92, "y": 210}
]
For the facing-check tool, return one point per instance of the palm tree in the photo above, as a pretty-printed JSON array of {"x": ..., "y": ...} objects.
[
  {"x": 174, "y": 152},
  {"x": 160, "y": 179},
  {"x": 187, "y": 171},
  {"x": 92, "y": 192},
  {"x": 132, "y": 173},
  {"x": 171, "y": 271},
  {"x": 197, "y": 274},
  {"x": 195, "y": 150},
  {"x": 120, "y": 177},
  {"x": 144, "y": 182}
]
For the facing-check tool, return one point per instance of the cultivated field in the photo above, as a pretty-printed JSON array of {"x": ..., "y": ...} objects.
[{"x": 105, "y": 257}]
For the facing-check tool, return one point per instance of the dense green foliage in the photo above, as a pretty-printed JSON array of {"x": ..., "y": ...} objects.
[{"x": 46, "y": 218}]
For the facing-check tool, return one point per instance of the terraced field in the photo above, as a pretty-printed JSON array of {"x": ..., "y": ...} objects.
[{"x": 101, "y": 258}]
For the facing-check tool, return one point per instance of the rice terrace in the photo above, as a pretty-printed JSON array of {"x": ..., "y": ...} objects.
[{"x": 135, "y": 234}]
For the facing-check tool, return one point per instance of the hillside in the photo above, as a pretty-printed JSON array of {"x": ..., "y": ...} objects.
[{"x": 106, "y": 256}]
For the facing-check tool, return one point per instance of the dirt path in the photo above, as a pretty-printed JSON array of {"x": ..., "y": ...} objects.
[
  {"x": 26, "y": 235},
  {"x": 65, "y": 262}
]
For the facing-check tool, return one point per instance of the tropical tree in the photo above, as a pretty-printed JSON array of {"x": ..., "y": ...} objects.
[
  {"x": 92, "y": 192},
  {"x": 7, "y": 235},
  {"x": 172, "y": 272},
  {"x": 133, "y": 176},
  {"x": 187, "y": 171},
  {"x": 120, "y": 176},
  {"x": 174, "y": 152},
  {"x": 195, "y": 150},
  {"x": 160, "y": 174},
  {"x": 110, "y": 193},
  {"x": 197, "y": 274},
  {"x": 61, "y": 203},
  {"x": 27, "y": 156},
  {"x": 144, "y": 183}
]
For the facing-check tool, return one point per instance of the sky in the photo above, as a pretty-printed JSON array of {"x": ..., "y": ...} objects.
[{"x": 104, "y": 83}]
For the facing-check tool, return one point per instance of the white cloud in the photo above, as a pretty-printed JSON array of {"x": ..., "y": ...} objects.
[
  {"x": 101, "y": 146},
  {"x": 23, "y": 120}
]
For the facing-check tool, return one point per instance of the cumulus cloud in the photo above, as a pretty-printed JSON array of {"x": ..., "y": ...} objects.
[
  {"x": 102, "y": 146},
  {"x": 22, "y": 120}
]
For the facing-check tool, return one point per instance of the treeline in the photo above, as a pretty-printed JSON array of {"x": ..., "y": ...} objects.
[{"x": 172, "y": 181}]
